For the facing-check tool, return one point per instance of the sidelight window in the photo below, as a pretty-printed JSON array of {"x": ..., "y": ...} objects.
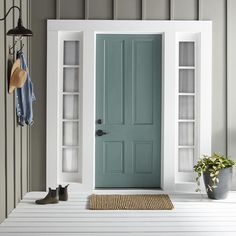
[
  {"x": 70, "y": 161},
  {"x": 187, "y": 107}
]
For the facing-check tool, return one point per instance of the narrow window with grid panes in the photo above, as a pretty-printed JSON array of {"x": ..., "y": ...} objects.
[
  {"x": 70, "y": 164},
  {"x": 187, "y": 106}
]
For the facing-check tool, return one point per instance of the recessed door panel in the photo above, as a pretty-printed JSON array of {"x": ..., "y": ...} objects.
[
  {"x": 143, "y": 157},
  {"x": 113, "y": 157},
  {"x": 142, "y": 81},
  {"x": 114, "y": 85}
]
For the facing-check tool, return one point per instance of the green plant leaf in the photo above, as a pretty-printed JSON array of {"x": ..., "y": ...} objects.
[{"x": 212, "y": 174}]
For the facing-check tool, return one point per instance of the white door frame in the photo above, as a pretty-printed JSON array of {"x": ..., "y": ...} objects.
[{"x": 88, "y": 30}]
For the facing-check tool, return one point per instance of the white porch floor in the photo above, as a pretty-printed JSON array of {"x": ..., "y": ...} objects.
[{"x": 191, "y": 216}]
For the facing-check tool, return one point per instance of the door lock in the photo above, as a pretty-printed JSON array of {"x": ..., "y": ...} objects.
[
  {"x": 100, "y": 132},
  {"x": 99, "y": 121}
]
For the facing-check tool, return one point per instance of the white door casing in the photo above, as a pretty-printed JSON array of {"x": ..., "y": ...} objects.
[{"x": 85, "y": 31}]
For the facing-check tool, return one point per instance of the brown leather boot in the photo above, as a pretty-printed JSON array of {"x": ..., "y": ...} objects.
[
  {"x": 63, "y": 193},
  {"x": 51, "y": 197}
]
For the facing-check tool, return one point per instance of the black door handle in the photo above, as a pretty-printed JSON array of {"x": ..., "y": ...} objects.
[{"x": 100, "y": 132}]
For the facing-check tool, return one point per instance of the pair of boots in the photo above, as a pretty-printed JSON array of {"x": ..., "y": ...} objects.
[{"x": 54, "y": 195}]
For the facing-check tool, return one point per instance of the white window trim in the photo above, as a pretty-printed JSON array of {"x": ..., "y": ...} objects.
[
  {"x": 69, "y": 36},
  {"x": 89, "y": 29},
  {"x": 189, "y": 37}
]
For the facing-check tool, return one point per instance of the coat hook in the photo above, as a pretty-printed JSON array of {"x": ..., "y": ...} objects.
[
  {"x": 11, "y": 48},
  {"x": 21, "y": 47}
]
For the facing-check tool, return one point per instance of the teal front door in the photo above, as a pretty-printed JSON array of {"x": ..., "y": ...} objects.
[{"x": 128, "y": 111}]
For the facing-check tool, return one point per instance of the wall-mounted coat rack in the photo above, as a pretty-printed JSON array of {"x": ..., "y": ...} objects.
[{"x": 18, "y": 32}]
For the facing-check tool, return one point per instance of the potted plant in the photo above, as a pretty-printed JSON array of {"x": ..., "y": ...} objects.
[{"x": 217, "y": 175}]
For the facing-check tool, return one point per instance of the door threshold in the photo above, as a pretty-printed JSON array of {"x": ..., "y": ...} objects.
[{"x": 128, "y": 191}]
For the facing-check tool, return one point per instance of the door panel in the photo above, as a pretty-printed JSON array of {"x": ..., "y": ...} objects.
[
  {"x": 114, "y": 82},
  {"x": 113, "y": 157},
  {"x": 142, "y": 81},
  {"x": 128, "y": 102},
  {"x": 143, "y": 157}
]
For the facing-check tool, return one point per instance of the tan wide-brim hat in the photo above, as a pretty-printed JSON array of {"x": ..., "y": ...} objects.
[{"x": 18, "y": 76}]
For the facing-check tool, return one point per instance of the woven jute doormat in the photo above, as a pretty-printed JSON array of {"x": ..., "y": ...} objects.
[{"x": 130, "y": 202}]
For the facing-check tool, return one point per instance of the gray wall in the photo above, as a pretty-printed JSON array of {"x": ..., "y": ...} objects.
[
  {"x": 221, "y": 12},
  {"x": 14, "y": 148}
]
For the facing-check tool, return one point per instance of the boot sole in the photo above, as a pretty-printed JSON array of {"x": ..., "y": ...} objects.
[{"x": 46, "y": 203}]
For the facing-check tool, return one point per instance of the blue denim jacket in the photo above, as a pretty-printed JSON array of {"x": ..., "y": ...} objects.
[{"x": 24, "y": 97}]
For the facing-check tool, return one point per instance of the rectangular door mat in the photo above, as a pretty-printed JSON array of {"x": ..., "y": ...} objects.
[{"x": 130, "y": 202}]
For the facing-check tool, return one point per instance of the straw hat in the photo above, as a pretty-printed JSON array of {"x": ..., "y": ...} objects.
[{"x": 18, "y": 76}]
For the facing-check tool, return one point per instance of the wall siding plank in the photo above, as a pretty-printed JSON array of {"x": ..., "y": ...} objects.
[
  {"x": 71, "y": 9},
  {"x": 10, "y": 126},
  {"x": 26, "y": 137},
  {"x": 86, "y": 9},
  {"x": 216, "y": 11},
  {"x": 58, "y": 9},
  {"x": 102, "y": 9},
  {"x": 114, "y": 9},
  {"x": 40, "y": 11},
  {"x": 2, "y": 124},
  {"x": 157, "y": 10},
  {"x": 24, "y": 143},
  {"x": 129, "y": 9},
  {"x": 23, "y": 130},
  {"x": 231, "y": 82},
  {"x": 185, "y": 9},
  {"x": 18, "y": 164},
  {"x": 200, "y": 9},
  {"x": 17, "y": 149},
  {"x": 24, "y": 163}
]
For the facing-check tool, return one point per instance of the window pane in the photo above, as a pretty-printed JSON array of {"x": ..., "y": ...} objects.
[
  {"x": 70, "y": 106},
  {"x": 186, "y": 81},
  {"x": 186, "y": 157},
  {"x": 186, "y": 134},
  {"x": 186, "y": 53},
  {"x": 70, "y": 160},
  {"x": 71, "y": 80},
  {"x": 71, "y": 52},
  {"x": 186, "y": 107},
  {"x": 70, "y": 133}
]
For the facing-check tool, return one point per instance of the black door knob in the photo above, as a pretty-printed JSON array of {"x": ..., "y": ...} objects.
[{"x": 100, "y": 132}]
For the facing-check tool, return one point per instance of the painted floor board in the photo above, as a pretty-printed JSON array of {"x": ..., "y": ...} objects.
[
  {"x": 192, "y": 216},
  {"x": 124, "y": 219},
  {"x": 122, "y": 234}
]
